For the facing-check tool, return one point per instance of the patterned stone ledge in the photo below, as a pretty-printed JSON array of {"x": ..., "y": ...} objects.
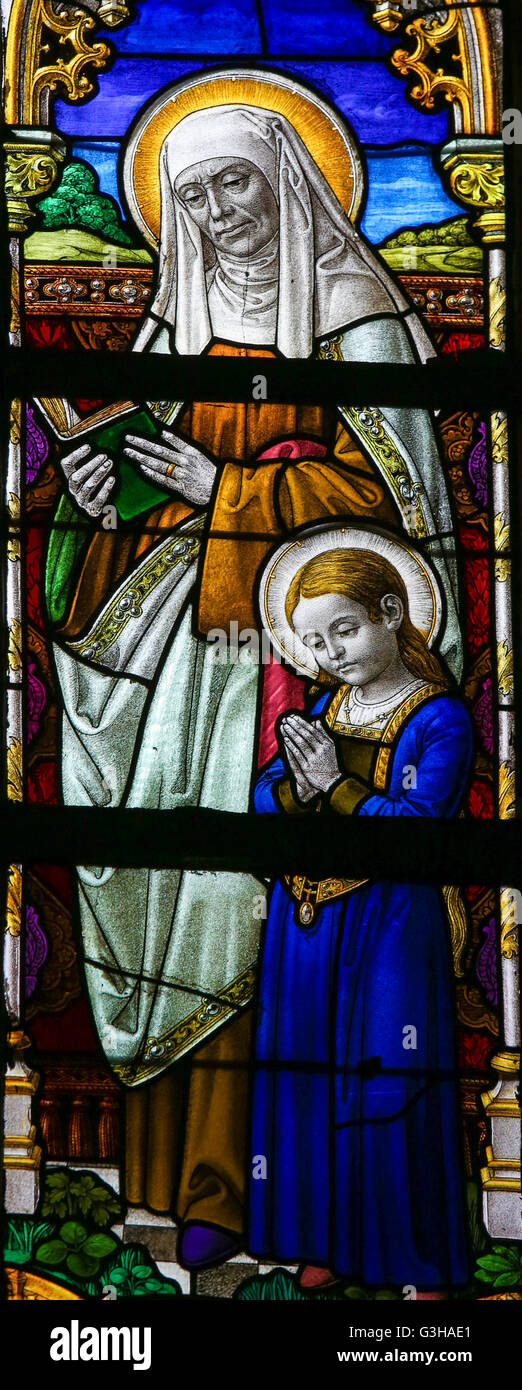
[
  {"x": 86, "y": 290},
  {"x": 124, "y": 293},
  {"x": 454, "y": 299}
]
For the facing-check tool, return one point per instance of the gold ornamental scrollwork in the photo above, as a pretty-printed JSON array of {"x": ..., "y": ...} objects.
[
  {"x": 31, "y": 169},
  {"x": 499, "y": 438},
  {"x": 14, "y": 901},
  {"x": 502, "y": 566},
  {"x": 13, "y": 548},
  {"x": 15, "y": 322},
  {"x": 502, "y": 571},
  {"x": 429, "y": 34},
  {"x": 475, "y": 172},
  {"x": 50, "y": 48},
  {"x": 15, "y": 424},
  {"x": 13, "y": 537},
  {"x": 509, "y": 928},
  {"x": 505, "y": 674},
  {"x": 14, "y": 771},
  {"x": 73, "y": 30},
  {"x": 29, "y": 173},
  {"x": 13, "y": 506},
  {"x": 497, "y": 314},
  {"x": 500, "y": 532},
  {"x": 450, "y": 54},
  {"x": 458, "y": 920},
  {"x": 14, "y": 650},
  {"x": 506, "y": 792},
  {"x": 479, "y": 181}
]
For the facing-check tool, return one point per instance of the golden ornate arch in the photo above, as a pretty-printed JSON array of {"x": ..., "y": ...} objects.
[
  {"x": 48, "y": 51},
  {"x": 449, "y": 52}
]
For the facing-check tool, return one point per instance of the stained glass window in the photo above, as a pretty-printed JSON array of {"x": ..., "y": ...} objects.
[{"x": 260, "y": 960}]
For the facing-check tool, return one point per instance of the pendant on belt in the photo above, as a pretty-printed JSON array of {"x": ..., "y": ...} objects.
[
  {"x": 311, "y": 896},
  {"x": 306, "y": 914}
]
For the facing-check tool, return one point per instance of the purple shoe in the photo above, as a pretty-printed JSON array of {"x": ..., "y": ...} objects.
[{"x": 201, "y": 1247}]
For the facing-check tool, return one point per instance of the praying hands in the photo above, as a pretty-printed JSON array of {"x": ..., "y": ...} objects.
[{"x": 311, "y": 756}]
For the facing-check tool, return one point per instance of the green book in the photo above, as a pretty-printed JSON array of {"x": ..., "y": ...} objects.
[
  {"x": 70, "y": 532},
  {"x": 133, "y": 493}
]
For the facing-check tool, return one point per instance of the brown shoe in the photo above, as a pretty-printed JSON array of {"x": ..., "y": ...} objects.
[{"x": 315, "y": 1279}]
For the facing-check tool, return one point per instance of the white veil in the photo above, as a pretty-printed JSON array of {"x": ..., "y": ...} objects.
[{"x": 328, "y": 277}]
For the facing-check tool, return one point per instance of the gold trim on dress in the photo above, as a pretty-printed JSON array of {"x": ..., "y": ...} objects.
[
  {"x": 385, "y": 736},
  {"x": 335, "y": 703},
  {"x": 339, "y": 726},
  {"x": 313, "y": 893},
  {"x": 373, "y": 432},
  {"x": 391, "y": 729},
  {"x": 160, "y": 1052},
  {"x": 180, "y": 549}
]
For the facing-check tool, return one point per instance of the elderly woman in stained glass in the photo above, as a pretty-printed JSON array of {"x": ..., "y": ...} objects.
[{"x": 257, "y": 258}]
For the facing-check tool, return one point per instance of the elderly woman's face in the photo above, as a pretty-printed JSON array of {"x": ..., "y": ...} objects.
[{"x": 232, "y": 203}]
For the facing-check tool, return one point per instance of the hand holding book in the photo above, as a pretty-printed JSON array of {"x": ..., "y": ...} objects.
[
  {"x": 131, "y": 461},
  {"x": 171, "y": 463},
  {"x": 90, "y": 479},
  {"x": 104, "y": 430}
]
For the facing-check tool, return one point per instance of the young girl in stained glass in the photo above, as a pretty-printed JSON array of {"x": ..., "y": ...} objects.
[{"x": 363, "y": 1167}]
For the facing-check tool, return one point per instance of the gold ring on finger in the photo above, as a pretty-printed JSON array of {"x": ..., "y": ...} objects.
[{"x": 170, "y": 469}]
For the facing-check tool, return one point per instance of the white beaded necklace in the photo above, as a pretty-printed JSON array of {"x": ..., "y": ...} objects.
[{"x": 377, "y": 711}]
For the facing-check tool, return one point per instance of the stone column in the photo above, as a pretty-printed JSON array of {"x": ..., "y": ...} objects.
[
  {"x": 31, "y": 165},
  {"x": 474, "y": 167}
]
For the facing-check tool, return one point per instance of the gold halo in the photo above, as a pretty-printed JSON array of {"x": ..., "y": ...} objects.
[
  {"x": 327, "y": 136},
  {"x": 424, "y": 597}
]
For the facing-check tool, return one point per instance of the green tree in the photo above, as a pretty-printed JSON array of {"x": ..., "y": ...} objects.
[
  {"x": 454, "y": 232},
  {"x": 77, "y": 202}
]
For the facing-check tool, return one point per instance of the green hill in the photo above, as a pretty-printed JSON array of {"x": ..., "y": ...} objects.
[
  {"x": 73, "y": 246},
  {"x": 444, "y": 247},
  {"x": 463, "y": 260}
]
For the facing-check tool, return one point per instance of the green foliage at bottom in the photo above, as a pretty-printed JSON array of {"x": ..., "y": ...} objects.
[
  {"x": 281, "y": 1285},
  {"x": 133, "y": 1274},
  {"x": 77, "y": 1253},
  {"x": 501, "y": 1267}
]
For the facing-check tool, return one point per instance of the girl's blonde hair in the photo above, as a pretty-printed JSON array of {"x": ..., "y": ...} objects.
[{"x": 365, "y": 577}]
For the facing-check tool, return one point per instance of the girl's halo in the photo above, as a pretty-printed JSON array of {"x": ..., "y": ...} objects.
[{"x": 424, "y": 597}]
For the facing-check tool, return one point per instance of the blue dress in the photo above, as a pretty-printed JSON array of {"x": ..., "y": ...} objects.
[{"x": 363, "y": 1158}]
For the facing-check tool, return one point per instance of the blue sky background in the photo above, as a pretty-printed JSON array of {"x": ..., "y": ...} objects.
[{"x": 329, "y": 44}]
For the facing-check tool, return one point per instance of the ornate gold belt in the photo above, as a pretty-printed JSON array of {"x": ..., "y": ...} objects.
[{"x": 312, "y": 893}]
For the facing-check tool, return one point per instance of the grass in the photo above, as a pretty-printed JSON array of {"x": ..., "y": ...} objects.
[{"x": 73, "y": 246}]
